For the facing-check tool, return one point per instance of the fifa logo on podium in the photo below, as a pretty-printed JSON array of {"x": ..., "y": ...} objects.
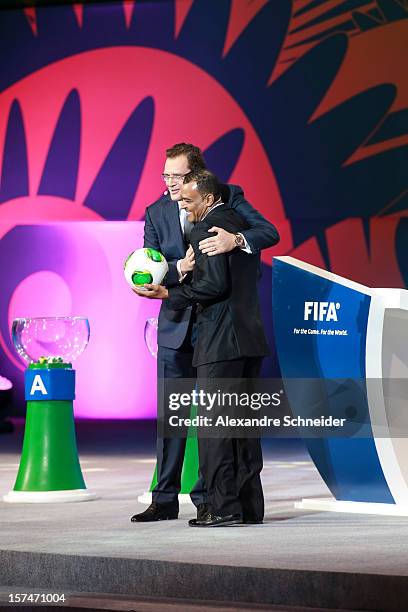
[{"x": 321, "y": 311}]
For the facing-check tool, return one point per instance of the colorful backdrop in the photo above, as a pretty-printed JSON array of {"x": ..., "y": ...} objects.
[{"x": 303, "y": 103}]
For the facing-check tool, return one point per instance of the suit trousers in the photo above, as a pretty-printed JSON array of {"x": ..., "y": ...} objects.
[
  {"x": 231, "y": 467},
  {"x": 175, "y": 363}
]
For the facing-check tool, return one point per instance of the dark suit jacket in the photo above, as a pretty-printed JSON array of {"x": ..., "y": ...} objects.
[
  {"x": 163, "y": 232},
  {"x": 225, "y": 287}
]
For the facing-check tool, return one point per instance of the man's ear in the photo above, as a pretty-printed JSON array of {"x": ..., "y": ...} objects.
[{"x": 210, "y": 199}]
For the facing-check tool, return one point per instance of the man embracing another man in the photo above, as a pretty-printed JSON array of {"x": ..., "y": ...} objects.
[{"x": 230, "y": 343}]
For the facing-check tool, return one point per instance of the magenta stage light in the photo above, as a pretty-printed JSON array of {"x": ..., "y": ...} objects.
[{"x": 5, "y": 384}]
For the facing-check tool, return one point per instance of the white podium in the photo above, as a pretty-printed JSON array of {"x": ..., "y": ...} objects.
[{"x": 330, "y": 328}]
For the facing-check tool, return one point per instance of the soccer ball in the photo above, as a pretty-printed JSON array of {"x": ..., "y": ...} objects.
[{"x": 145, "y": 266}]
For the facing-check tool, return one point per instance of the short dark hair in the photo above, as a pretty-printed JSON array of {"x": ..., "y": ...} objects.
[
  {"x": 194, "y": 155},
  {"x": 206, "y": 181}
]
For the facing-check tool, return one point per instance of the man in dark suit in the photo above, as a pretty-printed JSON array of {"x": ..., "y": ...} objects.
[
  {"x": 230, "y": 344},
  {"x": 167, "y": 229}
]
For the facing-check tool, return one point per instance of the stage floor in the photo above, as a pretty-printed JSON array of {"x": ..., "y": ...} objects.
[{"x": 295, "y": 558}]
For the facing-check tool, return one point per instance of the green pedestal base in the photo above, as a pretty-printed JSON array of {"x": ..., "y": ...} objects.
[{"x": 49, "y": 460}]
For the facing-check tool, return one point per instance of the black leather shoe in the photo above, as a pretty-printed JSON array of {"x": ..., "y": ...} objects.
[
  {"x": 214, "y": 520},
  {"x": 156, "y": 512},
  {"x": 202, "y": 511}
]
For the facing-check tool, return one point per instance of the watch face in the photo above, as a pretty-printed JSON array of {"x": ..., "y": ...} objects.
[{"x": 239, "y": 241}]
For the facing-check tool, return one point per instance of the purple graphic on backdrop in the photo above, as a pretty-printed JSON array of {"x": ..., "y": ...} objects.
[{"x": 75, "y": 268}]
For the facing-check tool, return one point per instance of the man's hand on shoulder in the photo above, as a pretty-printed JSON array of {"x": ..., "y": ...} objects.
[
  {"x": 222, "y": 242},
  {"x": 152, "y": 292}
]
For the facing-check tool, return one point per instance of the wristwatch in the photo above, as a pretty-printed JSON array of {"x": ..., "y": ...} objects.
[{"x": 239, "y": 241}]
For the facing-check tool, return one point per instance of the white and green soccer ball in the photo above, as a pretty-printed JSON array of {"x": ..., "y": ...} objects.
[{"x": 145, "y": 266}]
